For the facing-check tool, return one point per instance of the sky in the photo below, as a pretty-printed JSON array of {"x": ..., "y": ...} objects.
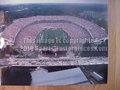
[{"x": 51, "y": 1}]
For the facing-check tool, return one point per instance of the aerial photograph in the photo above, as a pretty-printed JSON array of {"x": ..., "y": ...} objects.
[{"x": 53, "y": 42}]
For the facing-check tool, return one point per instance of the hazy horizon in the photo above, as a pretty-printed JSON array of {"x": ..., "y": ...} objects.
[{"x": 14, "y": 2}]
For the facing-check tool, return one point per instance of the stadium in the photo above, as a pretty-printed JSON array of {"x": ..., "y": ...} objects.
[
  {"x": 30, "y": 27},
  {"x": 22, "y": 34}
]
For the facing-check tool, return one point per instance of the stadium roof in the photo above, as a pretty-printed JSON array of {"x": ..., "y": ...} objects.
[{"x": 64, "y": 77}]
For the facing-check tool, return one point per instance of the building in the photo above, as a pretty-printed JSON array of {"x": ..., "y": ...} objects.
[
  {"x": 2, "y": 17},
  {"x": 2, "y": 21}
]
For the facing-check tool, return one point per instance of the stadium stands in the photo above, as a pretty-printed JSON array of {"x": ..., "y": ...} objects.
[{"x": 31, "y": 26}]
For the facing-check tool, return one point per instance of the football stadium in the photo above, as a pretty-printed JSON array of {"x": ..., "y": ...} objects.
[
  {"x": 38, "y": 38},
  {"x": 53, "y": 44}
]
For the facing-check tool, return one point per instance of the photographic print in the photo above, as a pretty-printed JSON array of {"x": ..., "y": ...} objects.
[{"x": 53, "y": 42}]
